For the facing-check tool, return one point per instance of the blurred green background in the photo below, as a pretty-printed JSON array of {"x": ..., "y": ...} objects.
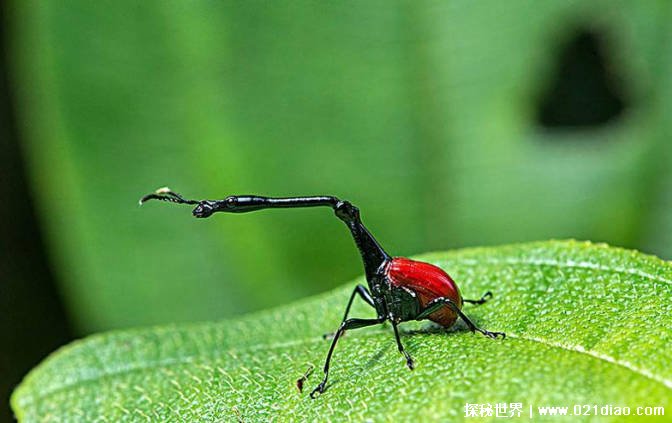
[{"x": 449, "y": 123}]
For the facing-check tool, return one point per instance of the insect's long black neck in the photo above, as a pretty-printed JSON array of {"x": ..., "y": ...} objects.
[{"x": 373, "y": 255}]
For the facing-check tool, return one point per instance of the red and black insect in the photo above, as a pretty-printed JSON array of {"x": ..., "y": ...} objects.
[{"x": 399, "y": 289}]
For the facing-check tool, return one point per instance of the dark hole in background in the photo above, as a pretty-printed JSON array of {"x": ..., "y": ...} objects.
[
  {"x": 32, "y": 319},
  {"x": 583, "y": 91}
]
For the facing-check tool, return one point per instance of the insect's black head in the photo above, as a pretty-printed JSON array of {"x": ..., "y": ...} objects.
[
  {"x": 204, "y": 208},
  {"x": 346, "y": 211}
]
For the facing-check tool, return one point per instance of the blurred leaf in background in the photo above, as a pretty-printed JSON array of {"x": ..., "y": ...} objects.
[{"x": 435, "y": 118}]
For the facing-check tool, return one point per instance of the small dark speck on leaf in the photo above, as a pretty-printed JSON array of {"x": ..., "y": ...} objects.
[{"x": 302, "y": 379}]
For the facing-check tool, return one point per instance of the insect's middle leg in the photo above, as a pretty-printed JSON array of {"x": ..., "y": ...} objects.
[
  {"x": 437, "y": 303},
  {"x": 409, "y": 360}
]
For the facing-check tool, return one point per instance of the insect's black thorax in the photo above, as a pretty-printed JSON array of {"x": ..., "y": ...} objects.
[
  {"x": 394, "y": 303},
  {"x": 380, "y": 287}
]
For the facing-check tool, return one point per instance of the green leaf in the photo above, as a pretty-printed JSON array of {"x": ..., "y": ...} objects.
[{"x": 585, "y": 324}]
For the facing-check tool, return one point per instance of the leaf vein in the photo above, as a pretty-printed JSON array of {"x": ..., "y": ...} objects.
[
  {"x": 568, "y": 265},
  {"x": 594, "y": 354}
]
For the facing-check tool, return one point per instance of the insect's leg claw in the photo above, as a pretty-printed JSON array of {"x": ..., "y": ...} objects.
[
  {"x": 319, "y": 389},
  {"x": 494, "y": 335}
]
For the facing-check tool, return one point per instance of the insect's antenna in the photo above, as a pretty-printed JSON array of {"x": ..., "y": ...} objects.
[{"x": 165, "y": 194}]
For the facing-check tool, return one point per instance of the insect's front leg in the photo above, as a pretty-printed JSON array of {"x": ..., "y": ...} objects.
[
  {"x": 364, "y": 294},
  {"x": 346, "y": 325}
]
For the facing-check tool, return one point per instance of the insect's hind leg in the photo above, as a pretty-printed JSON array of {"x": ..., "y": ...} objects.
[
  {"x": 483, "y": 299},
  {"x": 437, "y": 303}
]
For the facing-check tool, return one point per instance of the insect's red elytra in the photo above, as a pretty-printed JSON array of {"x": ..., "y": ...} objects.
[
  {"x": 428, "y": 282},
  {"x": 399, "y": 289}
]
